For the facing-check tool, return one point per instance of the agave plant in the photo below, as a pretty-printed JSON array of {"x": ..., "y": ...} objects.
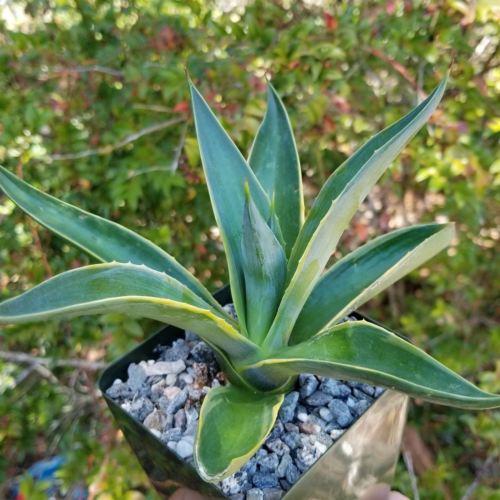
[{"x": 289, "y": 311}]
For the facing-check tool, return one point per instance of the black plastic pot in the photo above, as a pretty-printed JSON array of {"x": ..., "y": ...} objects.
[{"x": 361, "y": 461}]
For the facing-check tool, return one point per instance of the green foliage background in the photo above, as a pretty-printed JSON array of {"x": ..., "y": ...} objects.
[{"x": 78, "y": 77}]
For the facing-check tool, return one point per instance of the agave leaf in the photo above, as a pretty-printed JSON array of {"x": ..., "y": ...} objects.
[
  {"x": 275, "y": 161},
  {"x": 367, "y": 271},
  {"x": 233, "y": 424},
  {"x": 264, "y": 268},
  {"x": 227, "y": 172},
  {"x": 336, "y": 204},
  {"x": 366, "y": 352},
  {"x": 131, "y": 290},
  {"x": 103, "y": 239}
]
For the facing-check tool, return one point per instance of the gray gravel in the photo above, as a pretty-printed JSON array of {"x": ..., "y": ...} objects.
[{"x": 165, "y": 395}]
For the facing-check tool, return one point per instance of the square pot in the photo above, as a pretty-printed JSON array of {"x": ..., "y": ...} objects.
[{"x": 361, "y": 461}]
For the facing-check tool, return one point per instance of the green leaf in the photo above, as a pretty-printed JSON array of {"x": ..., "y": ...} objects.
[
  {"x": 366, "y": 352},
  {"x": 128, "y": 289},
  {"x": 232, "y": 426},
  {"x": 336, "y": 204},
  {"x": 275, "y": 161},
  {"x": 103, "y": 239},
  {"x": 264, "y": 268},
  {"x": 227, "y": 172},
  {"x": 367, "y": 271}
]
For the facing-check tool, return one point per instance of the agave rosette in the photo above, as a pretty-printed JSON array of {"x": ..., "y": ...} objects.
[{"x": 288, "y": 308}]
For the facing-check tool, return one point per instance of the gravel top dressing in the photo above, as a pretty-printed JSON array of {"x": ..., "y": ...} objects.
[{"x": 165, "y": 395}]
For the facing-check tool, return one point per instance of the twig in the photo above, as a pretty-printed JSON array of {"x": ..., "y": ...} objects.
[
  {"x": 108, "y": 149},
  {"x": 469, "y": 492},
  {"x": 174, "y": 164},
  {"x": 23, "y": 358},
  {"x": 396, "y": 66},
  {"x": 413, "y": 478},
  {"x": 93, "y": 68},
  {"x": 153, "y": 107}
]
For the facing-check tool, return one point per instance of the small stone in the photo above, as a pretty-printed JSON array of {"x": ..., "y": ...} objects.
[
  {"x": 180, "y": 418},
  {"x": 171, "y": 379},
  {"x": 318, "y": 398},
  {"x": 265, "y": 480},
  {"x": 269, "y": 463},
  {"x": 174, "y": 434},
  {"x": 292, "y": 474},
  {"x": 237, "y": 496},
  {"x": 368, "y": 389},
  {"x": 202, "y": 353},
  {"x": 333, "y": 425},
  {"x": 272, "y": 494},
  {"x": 314, "y": 419},
  {"x": 157, "y": 389},
  {"x": 156, "y": 420},
  {"x": 361, "y": 406},
  {"x": 285, "y": 485},
  {"x": 176, "y": 403},
  {"x": 185, "y": 379},
  {"x": 324, "y": 438},
  {"x": 292, "y": 440},
  {"x": 277, "y": 446},
  {"x": 305, "y": 458},
  {"x": 285, "y": 461},
  {"x": 255, "y": 494},
  {"x": 250, "y": 467},
  {"x": 171, "y": 392},
  {"x": 309, "y": 428},
  {"x": 287, "y": 410},
  {"x": 308, "y": 384},
  {"x": 340, "y": 412},
  {"x": 336, "y": 433},
  {"x": 325, "y": 414},
  {"x": 165, "y": 368},
  {"x": 136, "y": 376},
  {"x": 179, "y": 350},
  {"x": 277, "y": 431},
  {"x": 140, "y": 408},
  {"x": 302, "y": 414},
  {"x": 231, "y": 310},
  {"x": 194, "y": 394},
  {"x": 378, "y": 391},
  {"x": 289, "y": 427},
  {"x": 156, "y": 433},
  {"x": 185, "y": 448},
  {"x": 359, "y": 394},
  {"x": 119, "y": 390},
  {"x": 335, "y": 388},
  {"x": 320, "y": 447},
  {"x": 172, "y": 445},
  {"x": 232, "y": 485}
]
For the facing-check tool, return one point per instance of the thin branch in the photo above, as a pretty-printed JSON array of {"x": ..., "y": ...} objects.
[
  {"x": 23, "y": 358},
  {"x": 153, "y": 107},
  {"x": 396, "y": 66},
  {"x": 481, "y": 474},
  {"x": 108, "y": 149},
  {"x": 93, "y": 68},
  {"x": 174, "y": 164}
]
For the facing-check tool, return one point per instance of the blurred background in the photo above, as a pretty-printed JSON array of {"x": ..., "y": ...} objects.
[{"x": 94, "y": 109}]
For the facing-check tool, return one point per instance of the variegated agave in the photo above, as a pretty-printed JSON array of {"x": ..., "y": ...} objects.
[{"x": 288, "y": 309}]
